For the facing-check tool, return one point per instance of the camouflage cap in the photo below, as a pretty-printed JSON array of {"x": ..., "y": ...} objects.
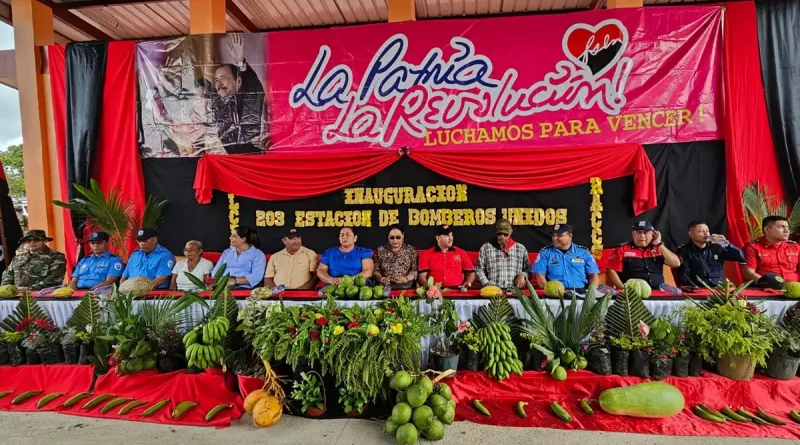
[
  {"x": 35, "y": 235},
  {"x": 504, "y": 226}
]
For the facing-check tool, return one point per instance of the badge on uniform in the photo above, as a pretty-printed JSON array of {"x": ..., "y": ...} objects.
[
  {"x": 577, "y": 260},
  {"x": 118, "y": 266},
  {"x": 716, "y": 257},
  {"x": 555, "y": 260},
  {"x": 457, "y": 258}
]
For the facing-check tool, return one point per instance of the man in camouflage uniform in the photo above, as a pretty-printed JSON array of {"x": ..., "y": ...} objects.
[{"x": 38, "y": 266}]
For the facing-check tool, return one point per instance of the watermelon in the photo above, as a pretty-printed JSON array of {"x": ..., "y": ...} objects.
[
  {"x": 653, "y": 400},
  {"x": 637, "y": 287},
  {"x": 365, "y": 293}
]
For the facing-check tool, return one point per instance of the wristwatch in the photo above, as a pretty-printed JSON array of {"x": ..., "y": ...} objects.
[{"x": 658, "y": 245}]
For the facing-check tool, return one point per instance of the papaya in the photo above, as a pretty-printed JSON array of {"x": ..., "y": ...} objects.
[{"x": 653, "y": 400}]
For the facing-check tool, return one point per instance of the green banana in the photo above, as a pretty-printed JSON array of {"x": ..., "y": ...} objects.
[
  {"x": 586, "y": 407},
  {"x": 181, "y": 409},
  {"x": 481, "y": 409},
  {"x": 47, "y": 399},
  {"x": 711, "y": 411},
  {"x": 707, "y": 415},
  {"x": 794, "y": 415},
  {"x": 97, "y": 400},
  {"x": 127, "y": 408},
  {"x": 75, "y": 399},
  {"x": 731, "y": 414},
  {"x": 763, "y": 414},
  {"x": 25, "y": 396},
  {"x": 5, "y": 393},
  {"x": 115, "y": 403},
  {"x": 560, "y": 412},
  {"x": 520, "y": 409},
  {"x": 216, "y": 410},
  {"x": 155, "y": 407}
]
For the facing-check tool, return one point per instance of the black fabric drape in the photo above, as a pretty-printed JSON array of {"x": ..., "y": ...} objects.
[
  {"x": 85, "y": 71},
  {"x": 11, "y": 227},
  {"x": 779, "y": 45}
]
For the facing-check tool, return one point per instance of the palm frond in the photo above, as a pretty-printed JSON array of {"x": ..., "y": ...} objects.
[
  {"x": 153, "y": 212},
  {"x": 225, "y": 306},
  {"x": 87, "y": 313},
  {"x": 166, "y": 312},
  {"x": 27, "y": 309},
  {"x": 624, "y": 315},
  {"x": 759, "y": 203},
  {"x": 794, "y": 217}
]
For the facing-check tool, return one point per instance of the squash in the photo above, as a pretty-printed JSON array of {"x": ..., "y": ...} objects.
[
  {"x": 252, "y": 398},
  {"x": 267, "y": 412},
  {"x": 654, "y": 400},
  {"x": 491, "y": 291}
]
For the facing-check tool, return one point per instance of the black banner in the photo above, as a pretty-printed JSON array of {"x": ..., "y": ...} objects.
[
  {"x": 85, "y": 70},
  {"x": 779, "y": 45},
  {"x": 690, "y": 182}
]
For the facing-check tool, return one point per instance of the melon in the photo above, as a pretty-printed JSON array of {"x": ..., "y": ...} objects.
[
  {"x": 792, "y": 289},
  {"x": 407, "y": 435},
  {"x": 554, "y": 289},
  {"x": 637, "y": 287},
  {"x": 360, "y": 281},
  {"x": 401, "y": 413},
  {"x": 653, "y": 400},
  {"x": 365, "y": 293},
  {"x": 346, "y": 282}
]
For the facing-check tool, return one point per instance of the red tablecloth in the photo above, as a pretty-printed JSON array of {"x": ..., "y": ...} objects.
[{"x": 70, "y": 379}]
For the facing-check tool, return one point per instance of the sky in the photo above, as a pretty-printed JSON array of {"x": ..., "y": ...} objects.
[{"x": 10, "y": 126}]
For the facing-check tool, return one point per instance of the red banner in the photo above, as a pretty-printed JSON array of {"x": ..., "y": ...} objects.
[{"x": 647, "y": 75}]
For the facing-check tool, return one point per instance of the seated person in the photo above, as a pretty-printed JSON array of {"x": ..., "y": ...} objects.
[
  {"x": 38, "y": 266},
  {"x": 100, "y": 269},
  {"x": 294, "y": 267},
  {"x": 447, "y": 264},
  {"x": 345, "y": 260},
  {"x": 772, "y": 259},
  {"x": 503, "y": 262},
  {"x": 151, "y": 260},
  {"x": 244, "y": 263},
  {"x": 703, "y": 261},
  {"x": 193, "y": 264},
  {"x": 396, "y": 262},
  {"x": 564, "y": 261},
  {"x": 643, "y": 258}
]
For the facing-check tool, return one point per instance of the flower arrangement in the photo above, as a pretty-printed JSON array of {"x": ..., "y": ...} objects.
[
  {"x": 68, "y": 336},
  {"x": 629, "y": 343},
  {"x": 11, "y": 337},
  {"x": 431, "y": 291},
  {"x": 467, "y": 336}
]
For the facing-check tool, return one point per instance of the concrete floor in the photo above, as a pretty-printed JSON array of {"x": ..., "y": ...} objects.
[{"x": 50, "y": 428}]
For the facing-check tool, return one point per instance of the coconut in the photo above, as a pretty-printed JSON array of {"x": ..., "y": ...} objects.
[
  {"x": 426, "y": 384},
  {"x": 435, "y": 430},
  {"x": 137, "y": 286},
  {"x": 448, "y": 416},
  {"x": 422, "y": 416},
  {"x": 400, "y": 380},
  {"x": 443, "y": 389},
  {"x": 407, "y": 435},
  {"x": 391, "y": 427},
  {"x": 401, "y": 413},
  {"x": 416, "y": 396}
]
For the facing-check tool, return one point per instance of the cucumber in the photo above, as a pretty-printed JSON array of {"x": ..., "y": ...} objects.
[
  {"x": 753, "y": 418},
  {"x": 482, "y": 409},
  {"x": 47, "y": 399},
  {"x": 586, "y": 407},
  {"x": 216, "y": 410},
  {"x": 706, "y": 415},
  {"x": 560, "y": 412},
  {"x": 181, "y": 409},
  {"x": 763, "y": 414},
  {"x": 731, "y": 414},
  {"x": 520, "y": 409},
  {"x": 75, "y": 399},
  {"x": 115, "y": 403},
  {"x": 653, "y": 400},
  {"x": 25, "y": 396},
  {"x": 156, "y": 407}
]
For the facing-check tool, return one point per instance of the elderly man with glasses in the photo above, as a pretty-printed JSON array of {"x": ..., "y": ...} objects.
[{"x": 503, "y": 262}]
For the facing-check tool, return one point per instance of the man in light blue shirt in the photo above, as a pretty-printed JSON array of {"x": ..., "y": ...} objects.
[
  {"x": 151, "y": 260},
  {"x": 100, "y": 269},
  {"x": 571, "y": 264}
]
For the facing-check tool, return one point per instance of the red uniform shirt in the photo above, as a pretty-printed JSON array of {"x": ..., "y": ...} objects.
[
  {"x": 630, "y": 261},
  {"x": 782, "y": 258},
  {"x": 446, "y": 267}
]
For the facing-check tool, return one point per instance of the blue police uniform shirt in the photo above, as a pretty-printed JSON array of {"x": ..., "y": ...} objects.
[
  {"x": 570, "y": 267},
  {"x": 94, "y": 269},
  {"x": 157, "y": 263},
  {"x": 345, "y": 263}
]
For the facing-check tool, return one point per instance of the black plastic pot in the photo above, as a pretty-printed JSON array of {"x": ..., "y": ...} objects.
[
  {"x": 640, "y": 364},
  {"x": 70, "y": 354},
  {"x": 16, "y": 354},
  {"x": 680, "y": 366},
  {"x": 32, "y": 357},
  {"x": 695, "y": 365},
  {"x": 472, "y": 360},
  {"x": 600, "y": 361},
  {"x": 532, "y": 360},
  {"x": 4, "y": 357},
  {"x": 782, "y": 367},
  {"x": 194, "y": 370},
  {"x": 51, "y": 355},
  {"x": 86, "y": 350},
  {"x": 169, "y": 364},
  {"x": 441, "y": 362},
  {"x": 660, "y": 368},
  {"x": 619, "y": 361}
]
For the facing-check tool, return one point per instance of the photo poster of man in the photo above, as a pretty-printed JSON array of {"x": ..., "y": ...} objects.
[{"x": 202, "y": 94}]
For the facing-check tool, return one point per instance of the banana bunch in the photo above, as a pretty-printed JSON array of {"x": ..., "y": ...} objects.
[
  {"x": 205, "y": 343},
  {"x": 499, "y": 352}
]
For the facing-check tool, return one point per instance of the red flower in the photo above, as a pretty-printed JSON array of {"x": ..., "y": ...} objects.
[
  {"x": 292, "y": 330},
  {"x": 389, "y": 310},
  {"x": 325, "y": 341},
  {"x": 354, "y": 325},
  {"x": 24, "y": 324},
  {"x": 543, "y": 364},
  {"x": 649, "y": 350},
  {"x": 673, "y": 351},
  {"x": 663, "y": 357},
  {"x": 322, "y": 321},
  {"x": 682, "y": 336},
  {"x": 355, "y": 316},
  {"x": 44, "y": 324},
  {"x": 336, "y": 313},
  {"x": 294, "y": 336},
  {"x": 314, "y": 334}
]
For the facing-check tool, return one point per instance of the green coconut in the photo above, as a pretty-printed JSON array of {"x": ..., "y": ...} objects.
[
  {"x": 391, "y": 427},
  {"x": 407, "y": 434},
  {"x": 401, "y": 413},
  {"x": 400, "y": 381},
  {"x": 426, "y": 384},
  {"x": 435, "y": 430},
  {"x": 416, "y": 396},
  {"x": 443, "y": 389},
  {"x": 422, "y": 417}
]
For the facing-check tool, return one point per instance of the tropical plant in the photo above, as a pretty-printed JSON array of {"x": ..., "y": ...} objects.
[
  {"x": 309, "y": 391},
  {"x": 627, "y": 315},
  {"x": 664, "y": 336},
  {"x": 351, "y": 401},
  {"x": 113, "y": 213},
  {"x": 759, "y": 203},
  {"x": 11, "y": 337},
  {"x": 499, "y": 310},
  {"x": 723, "y": 293},
  {"x": 86, "y": 317},
  {"x": 26, "y": 316},
  {"x": 468, "y": 338},
  {"x": 68, "y": 336},
  {"x": 629, "y": 343},
  {"x": 444, "y": 322}
]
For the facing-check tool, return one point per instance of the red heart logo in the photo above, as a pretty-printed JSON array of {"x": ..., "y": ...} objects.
[{"x": 596, "y": 48}]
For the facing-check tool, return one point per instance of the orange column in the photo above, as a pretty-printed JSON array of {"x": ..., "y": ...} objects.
[
  {"x": 401, "y": 10},
  {"x": 207, "y": 17},
  {"x": 33, "y": 29},
  {"x": 613, "y": 4}
]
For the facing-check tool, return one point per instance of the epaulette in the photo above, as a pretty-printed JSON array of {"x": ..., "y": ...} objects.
[
  {"x": 581, "y": 247},
  {"x": 549, "y": 246}
]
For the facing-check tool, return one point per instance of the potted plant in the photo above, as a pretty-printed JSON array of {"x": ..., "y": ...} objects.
[
  {"x": 627, "y": 325},
  {"x": 444, "y": 321},
  {"x": 4, "y": 357},
  {"x": 683, "y": 355},
  {"x": 598, "y": 354},
  {"x": 352, "y": 403},
  {"x": 630, "y": 356},
  {"x": 732, "y": 332},
  {"x": 783, "y": 361},
  {"x": 532, "y": 358},
  {"x": 169, "y": 348},
  {"x": 32, "y": 344},
  {"x": 663, "y": 335},
  {"x": 13, "y": 344},
  {"x": 69, "y": 344},
  {"x": 85, "y": 347},
  {"x": 309, "y": 392},
  {"x": 470, "y": 344}
]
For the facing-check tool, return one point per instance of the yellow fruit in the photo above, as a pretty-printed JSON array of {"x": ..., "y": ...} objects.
[
  {"x": 267, "y": 412},
  {"x": 252, "y": 398},
  {"x": 62, "y": 292},
  {"x": 491, "y": 291}
]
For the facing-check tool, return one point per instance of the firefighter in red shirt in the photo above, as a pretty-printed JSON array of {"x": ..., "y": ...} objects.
[
  {"x": 447, "y": 264},
  {"x": 643, "y": 258},
  {"x": 772, "y": 259}
]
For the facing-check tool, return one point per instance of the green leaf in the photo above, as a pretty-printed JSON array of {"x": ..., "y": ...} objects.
[
  {"x": 26, "y": 308},
  {"x": 87, "y": 313},
  {"x": 624, "y": 315},
  {"x": 153, "y": 213},
  {"x": 196, "y": 281}
]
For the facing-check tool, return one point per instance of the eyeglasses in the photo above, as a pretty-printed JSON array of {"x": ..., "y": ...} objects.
[
  {"x": 395, "y": 237},
  {"x": 502, "y": 234}
]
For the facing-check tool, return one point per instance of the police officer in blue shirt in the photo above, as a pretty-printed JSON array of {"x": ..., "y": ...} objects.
[
  {"x": 571, "y": 264},
  {"x": 151, "y": 260},
  {"x": 101, "y": 268}
]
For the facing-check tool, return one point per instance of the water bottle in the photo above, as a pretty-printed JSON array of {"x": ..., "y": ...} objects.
[
  {"x": 277, "y": 290},
  {"x": 605, "y": 290},
  {"x": 387, "y": 290},
  {"x": 672, "y": 290},
  {"x": 717, "y": 240}
]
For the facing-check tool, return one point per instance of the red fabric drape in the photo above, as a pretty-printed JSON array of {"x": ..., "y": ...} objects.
[
  {"x": 545, "y": 169},
  {"x": 286, "y": 176},
  {"x": 117, "y": 163},
  {"x": 70, "y": 379},
  {"x": 539, "y": 389},
  {"x": 749, "y": 152}
]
